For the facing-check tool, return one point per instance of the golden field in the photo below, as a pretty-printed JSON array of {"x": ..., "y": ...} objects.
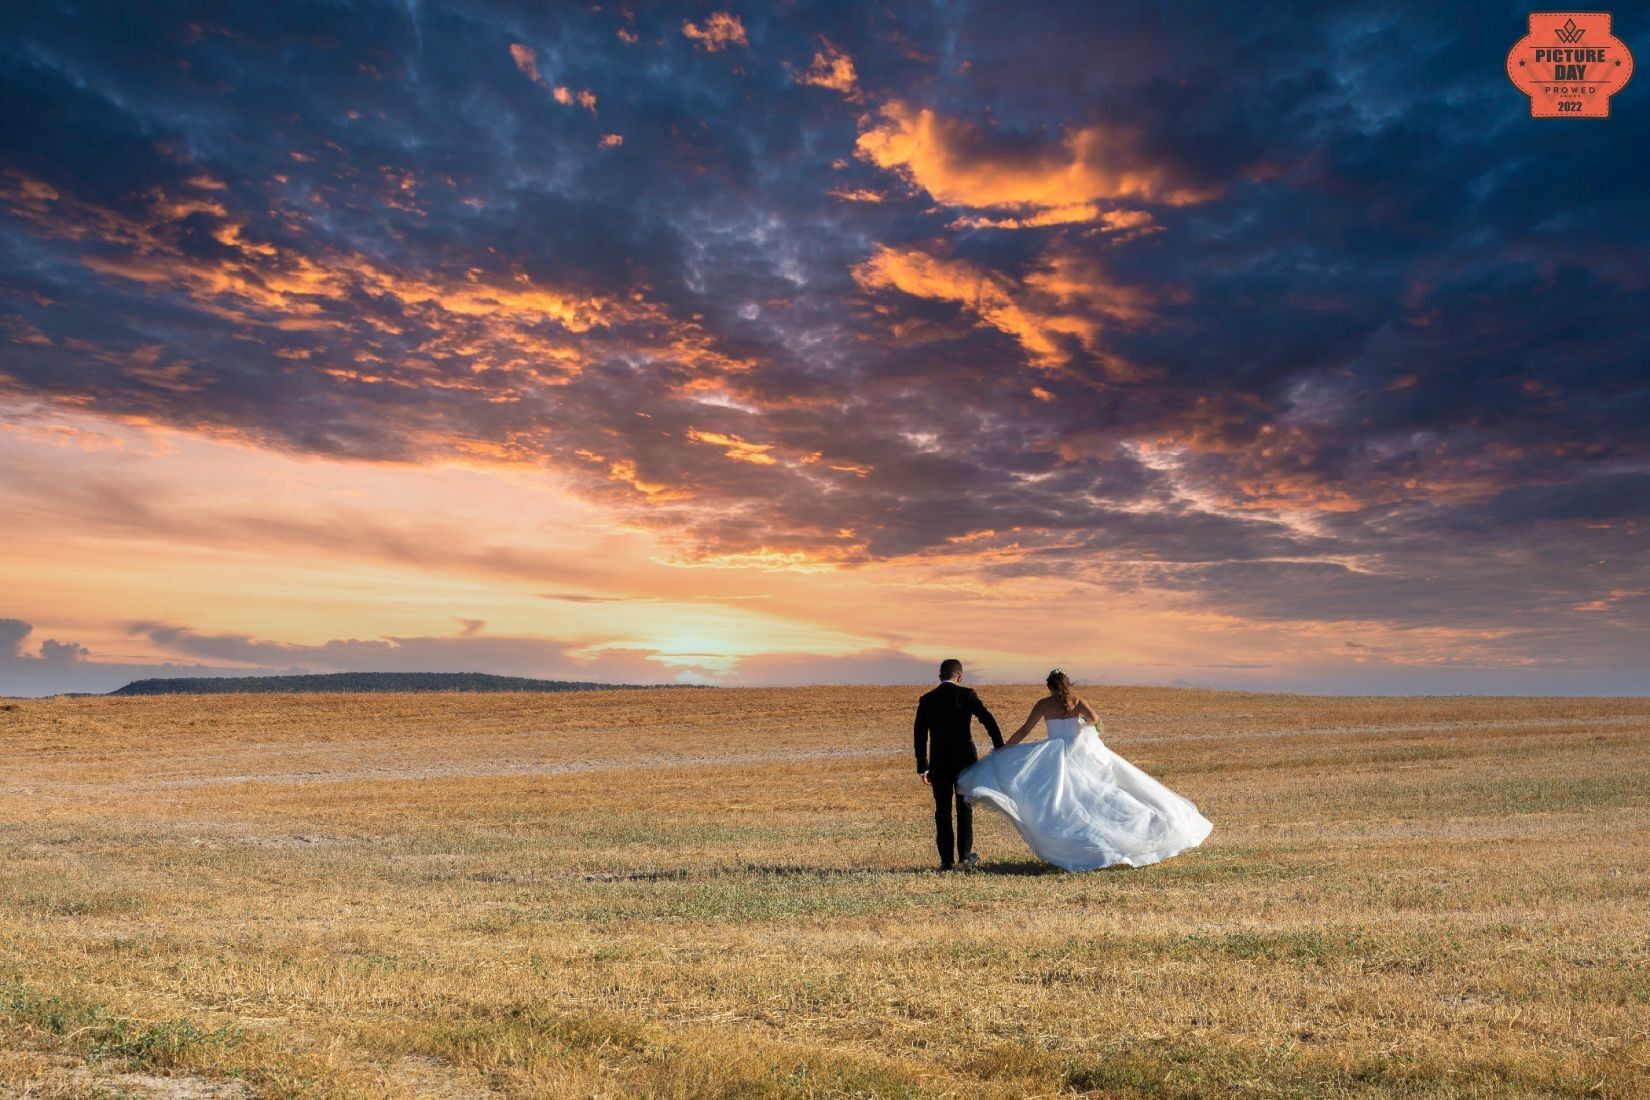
[{"x": 729, "y": 893}]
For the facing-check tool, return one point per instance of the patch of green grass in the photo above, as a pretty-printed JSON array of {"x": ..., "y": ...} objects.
[
  {"x": 78, "y": 904},
  {"x": 1537, "y": 794},
  {"x": 1294, "y": 947},
  {"x": 139, "y": 1044},
  {"x": 1192, "y": 1069},
  {"x": 670, "y": 1063},
  {"x": 756, "y": 898},
  {"x": 1088, "y": 961},
  {"x": 820, "y": 1077},
  {"x": 516, "y": 1038},
  {"x": 733, "y": 894},
  {"x": 1501, "y": 796},
  {"x": 1223, "y": 865},
  {"x": 699, "y": 834}
]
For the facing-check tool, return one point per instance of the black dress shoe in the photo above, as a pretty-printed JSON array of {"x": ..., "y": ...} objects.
[{"x": 971, "y": 862}]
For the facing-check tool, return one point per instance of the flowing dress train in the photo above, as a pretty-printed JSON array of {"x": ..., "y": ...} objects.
[{"x": 1081, "y": 806}]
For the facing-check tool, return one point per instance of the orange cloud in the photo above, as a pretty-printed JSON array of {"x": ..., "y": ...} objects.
[
  {"x": 564, "y": 95},
  {"x": 1126, "y": 219},
  {"x": 832, "y": 69},
  {"x": 1242, "y": 459},
  {"x": 720, "y": 31},
  {"x": 987, "y": 294},
  {"x": 1068, "y": 298},
  {"x": 858, "y": 469},
  {"x": 1076, "y": 279},
  {"x": 1608, "y": 602},
  {"x": 737, "y": 449},
  {"x": 496, "y": 322},
  {"x": 960, "y": 165},
  {"x": 527, "y": 61},
  {"x": 624, "y": 470}
]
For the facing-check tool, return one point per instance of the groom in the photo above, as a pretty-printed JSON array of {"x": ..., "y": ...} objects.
[{"x": 943, "y": 721}]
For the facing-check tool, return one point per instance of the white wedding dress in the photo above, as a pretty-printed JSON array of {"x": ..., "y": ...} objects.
[{"x": 1081, "y": 806}]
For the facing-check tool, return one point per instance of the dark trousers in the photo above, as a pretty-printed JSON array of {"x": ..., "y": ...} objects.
[{"x": 946, "y": 793}]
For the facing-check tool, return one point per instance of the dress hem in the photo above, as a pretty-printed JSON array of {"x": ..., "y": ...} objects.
[{"x": 991, "y": 801}]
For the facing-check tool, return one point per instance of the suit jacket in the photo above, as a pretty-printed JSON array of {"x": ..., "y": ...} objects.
[{"x": 942, "y": 735}]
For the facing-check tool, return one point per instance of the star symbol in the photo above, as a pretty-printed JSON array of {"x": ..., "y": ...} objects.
[{"x": 1521, "y": 64}]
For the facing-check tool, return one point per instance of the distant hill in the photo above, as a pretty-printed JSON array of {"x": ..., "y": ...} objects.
[{"x": 359, "y": 681}]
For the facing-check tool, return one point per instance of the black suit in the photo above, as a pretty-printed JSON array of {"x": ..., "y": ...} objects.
[{"x": 945, "y": 746}]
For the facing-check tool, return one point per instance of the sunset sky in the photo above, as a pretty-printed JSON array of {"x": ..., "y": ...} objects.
[{"x": 814, "y": 343}]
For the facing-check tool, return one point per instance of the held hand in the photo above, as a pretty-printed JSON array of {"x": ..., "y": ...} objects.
[{"x": 925, "y": 778}]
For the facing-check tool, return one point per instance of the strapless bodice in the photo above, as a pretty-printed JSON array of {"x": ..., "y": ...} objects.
[{"x": 1068, "y": 727}]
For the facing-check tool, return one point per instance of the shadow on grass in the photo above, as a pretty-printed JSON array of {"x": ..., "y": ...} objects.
[
  {"x": 748, "y": 870},
  {"x": 1020, "y": 867}
]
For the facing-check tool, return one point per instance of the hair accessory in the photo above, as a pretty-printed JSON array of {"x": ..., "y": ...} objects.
[{"x": 1056, "y": 672}]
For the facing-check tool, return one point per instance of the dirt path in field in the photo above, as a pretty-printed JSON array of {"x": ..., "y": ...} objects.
[
  {"x": 493, "y": 769},
  {"x": 327, "y": 765},
  {"x": 472, "y": 769}
]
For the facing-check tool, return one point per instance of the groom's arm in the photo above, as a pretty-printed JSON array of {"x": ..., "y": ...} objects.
[
  {"x": 977, "y": 708},
  {"x": 919, "y": 737}
]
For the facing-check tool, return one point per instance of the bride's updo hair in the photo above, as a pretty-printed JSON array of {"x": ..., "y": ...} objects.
[{"x": 1059, "y": 685}]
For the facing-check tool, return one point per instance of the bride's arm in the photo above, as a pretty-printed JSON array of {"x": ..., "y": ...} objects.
[
  {"x": 1031, "y": 720},
  {"x": 1087, "y": 711}
]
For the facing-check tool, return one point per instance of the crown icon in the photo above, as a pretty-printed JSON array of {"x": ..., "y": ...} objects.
[{"x": 1569, "y": 32}]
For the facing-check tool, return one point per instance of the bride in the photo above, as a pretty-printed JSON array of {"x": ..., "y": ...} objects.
[{"x": 1078, "y": 804}]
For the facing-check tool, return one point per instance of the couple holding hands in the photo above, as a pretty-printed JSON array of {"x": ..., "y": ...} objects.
[{"x": 1076, "y": 803}]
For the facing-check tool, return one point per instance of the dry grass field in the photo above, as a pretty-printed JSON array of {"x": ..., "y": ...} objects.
[{"x": 728, "y": 893}]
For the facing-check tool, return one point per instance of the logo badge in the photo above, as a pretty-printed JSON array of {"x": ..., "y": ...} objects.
[{"x": 1569, "y": 64}]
